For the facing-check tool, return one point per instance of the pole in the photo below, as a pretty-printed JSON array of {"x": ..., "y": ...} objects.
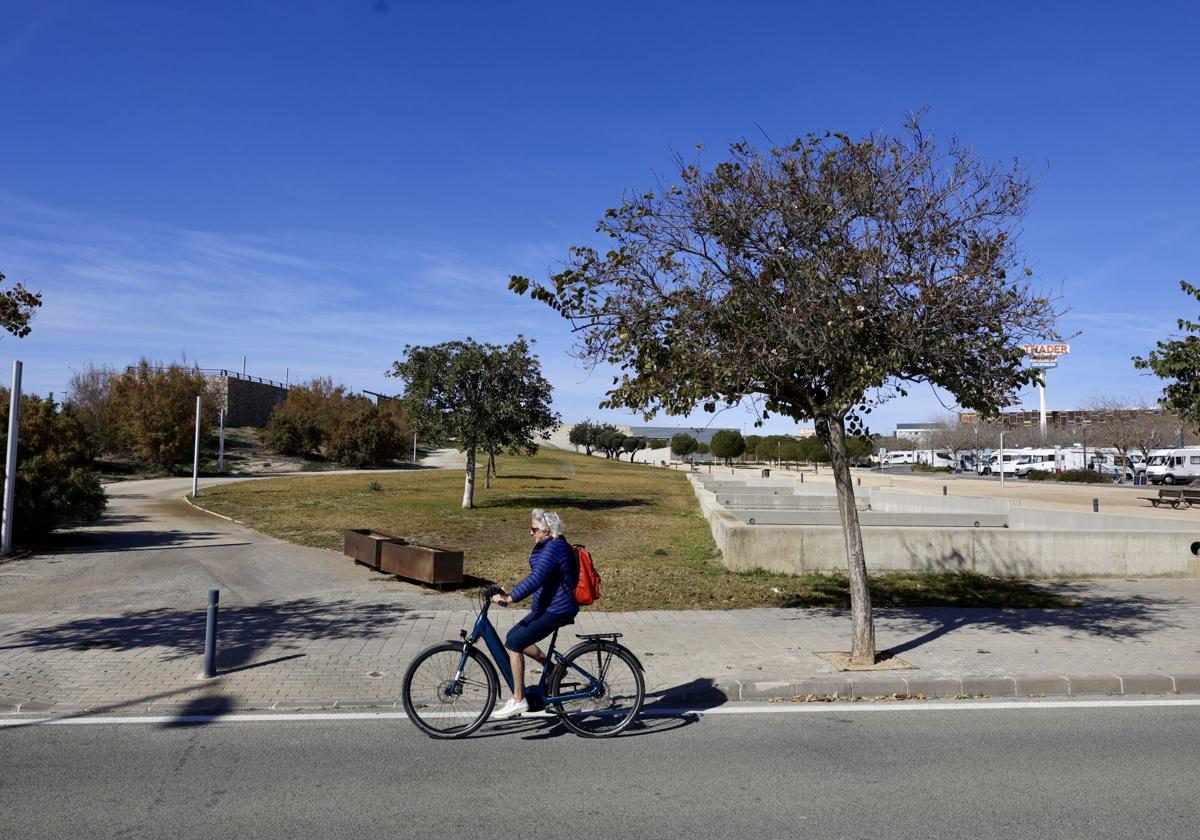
[
  {"x": 243, "y": 367},
  {"x": 221, "y": 449},
  {"x": 10, "y": 471},
  {"x": 196, "y": 453},
  {"x": 210, "y": 634},
  {"x": 1000, "y": 463},
  {"x": 1042, "y": 401},
  {"x": 414, "y": 447},
  {"x": 287, "y": 372}
]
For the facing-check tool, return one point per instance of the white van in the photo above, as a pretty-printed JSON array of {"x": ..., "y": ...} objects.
[
  {"x": 892, "y": 459},
  {"x": 992, "y": 465},
  {"x": 1043, "y": 460},
  {"x": 1173, "y": 466}
]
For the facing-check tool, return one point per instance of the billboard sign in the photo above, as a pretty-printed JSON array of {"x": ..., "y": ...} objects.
[{"x": 1046, "y": 355}]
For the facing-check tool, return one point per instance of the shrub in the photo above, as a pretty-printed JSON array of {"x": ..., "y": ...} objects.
[
  {"x": 365, "y": 435},
  {"x": 55, "y": 486},
  {"x": 929, "y": 468},
  {"x": 320, "y": 416},
  {"x": 292, "y": 433},
  {"x": 1039, "y": 475},
  {"x": 1085, "y": 476},
  {"x": 155, "y": 410}
]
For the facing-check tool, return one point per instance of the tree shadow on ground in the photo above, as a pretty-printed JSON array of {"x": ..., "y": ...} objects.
[
  {"x": 1125, "y": 618},
  {"x": 200, "y": 711},
  {"x": 524, "y": 477},
  {"x": 242, "y": 632},
  {"x": 564, "y": 503},
  {"x": 105, "y": 535}
]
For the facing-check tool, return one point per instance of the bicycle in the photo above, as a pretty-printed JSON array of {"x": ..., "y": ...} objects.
[{"x": 451, "y": 688}]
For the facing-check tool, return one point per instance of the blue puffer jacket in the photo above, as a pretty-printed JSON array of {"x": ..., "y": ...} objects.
[{"x": 552, "y": 579}]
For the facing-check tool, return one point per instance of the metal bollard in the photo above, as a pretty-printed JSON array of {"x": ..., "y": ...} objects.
[
  {"x": 210, "y": 634},
  {"x": 943, "y": 489},
  {"x": 801, "y": 478},
  {"x": 1095, "y": 505}
]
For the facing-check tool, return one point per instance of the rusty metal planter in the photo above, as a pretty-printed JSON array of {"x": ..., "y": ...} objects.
[
  {"x": 430, "y": 565},
  {"x": 365, "y": 546}
]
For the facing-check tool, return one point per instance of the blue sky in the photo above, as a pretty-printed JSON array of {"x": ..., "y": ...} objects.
[{"x": 316, "y": 184}]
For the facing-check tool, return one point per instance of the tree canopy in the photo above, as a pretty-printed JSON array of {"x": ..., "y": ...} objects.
[
  {"x": 483, "y": 396},
  {"x": 1178, "y": 361},
  {"x": 17, "y": 305},
  {"x": 815, "y": 279}
]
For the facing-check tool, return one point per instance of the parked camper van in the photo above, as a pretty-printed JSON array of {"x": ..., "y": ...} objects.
[
  {"x": 1173, "y": 466},
  {"x": 893, "y": 459},
  {"x": 1044, "y": 460},
  {"x": 992, "y": 465}
]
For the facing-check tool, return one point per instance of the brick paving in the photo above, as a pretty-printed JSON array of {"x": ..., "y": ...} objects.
[
  {"x": 1131, "y": 637},
  {"x": 89, "y": 631}
]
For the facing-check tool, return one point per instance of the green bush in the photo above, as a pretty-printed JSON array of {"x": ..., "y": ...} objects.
[
  {"x": 365, "y": 435},
  {"x": 1039, "y": 475},
  {"x": 292, "y": 433},
  {"x": 55, "y": 485},
  {"x": 929, "y": 468},
  {"x": 322, "y": 417},
  {"x": 1085, "y": 476},
  {"x": 155, "y": 409}
]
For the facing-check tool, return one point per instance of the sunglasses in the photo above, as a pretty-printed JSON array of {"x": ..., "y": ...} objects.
[{"x": 533, "y": 530}]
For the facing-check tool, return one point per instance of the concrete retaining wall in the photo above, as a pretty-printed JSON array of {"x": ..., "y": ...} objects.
[{"x": 1037, "y": 543}]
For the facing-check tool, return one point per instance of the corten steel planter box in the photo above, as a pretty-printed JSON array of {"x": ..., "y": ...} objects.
[
  {"x": 364, "y": 545},
  {"x": 420, "y": 562}
]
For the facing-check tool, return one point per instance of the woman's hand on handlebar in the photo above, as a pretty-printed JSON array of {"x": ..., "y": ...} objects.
[{"x": 502, "y": 598}]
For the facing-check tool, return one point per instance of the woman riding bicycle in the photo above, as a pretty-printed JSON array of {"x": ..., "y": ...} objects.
[{"x": 554, "y": 573}]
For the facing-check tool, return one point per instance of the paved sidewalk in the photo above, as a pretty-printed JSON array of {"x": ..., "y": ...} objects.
[
  {"x": 115, "y": 623},
  {"x": 1133, "y": 637}
]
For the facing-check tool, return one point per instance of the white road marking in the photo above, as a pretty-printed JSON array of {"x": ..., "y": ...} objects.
[{"x": 731, "y": 709}]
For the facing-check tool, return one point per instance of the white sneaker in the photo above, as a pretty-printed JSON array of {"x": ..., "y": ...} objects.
[{"x": 510, "y": 709}]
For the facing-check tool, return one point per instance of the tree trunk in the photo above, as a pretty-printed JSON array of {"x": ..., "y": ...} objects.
[
  {"x": 469, "y": 489},
  {"x": 862, "y": 649},
  {"x": 489, "y": 471}
]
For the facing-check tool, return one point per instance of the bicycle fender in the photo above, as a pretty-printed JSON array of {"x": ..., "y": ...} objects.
[{"x": 604, "y": 643}]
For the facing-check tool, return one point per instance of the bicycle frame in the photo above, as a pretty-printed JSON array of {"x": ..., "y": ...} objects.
[{"x": 484, "y": 629}]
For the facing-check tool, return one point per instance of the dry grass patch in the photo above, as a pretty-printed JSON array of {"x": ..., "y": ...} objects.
[{"x": 643, "y": 524}]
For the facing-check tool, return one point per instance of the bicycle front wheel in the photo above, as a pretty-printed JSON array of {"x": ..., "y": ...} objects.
[
  {"x": 609, "y": 709},
  {"x": 444, "y": 703}
]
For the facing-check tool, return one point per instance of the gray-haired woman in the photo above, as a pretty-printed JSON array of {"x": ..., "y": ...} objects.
[{"x": 553, "y": 575}]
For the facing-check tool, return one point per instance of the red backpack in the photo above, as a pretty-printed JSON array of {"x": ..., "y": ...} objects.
[{"x": 588, "y": 588}]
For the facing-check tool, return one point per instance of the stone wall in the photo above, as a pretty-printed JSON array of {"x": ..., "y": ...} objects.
[{"x": 247, "y": 402}]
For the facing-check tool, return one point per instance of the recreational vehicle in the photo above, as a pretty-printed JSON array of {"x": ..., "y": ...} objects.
[{"x": 1173, "y": 466}]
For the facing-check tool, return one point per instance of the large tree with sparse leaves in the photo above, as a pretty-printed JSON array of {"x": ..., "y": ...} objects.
[{"x": 815, "y": 279}]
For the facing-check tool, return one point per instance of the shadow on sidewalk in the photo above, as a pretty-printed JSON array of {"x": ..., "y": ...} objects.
[
  {"x": 1106, "y": 617},
  {"x": 104, "y": 536},
  {"x": 242, "y": 631}
]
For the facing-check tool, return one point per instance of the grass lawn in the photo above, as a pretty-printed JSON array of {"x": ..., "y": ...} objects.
[{"x": 643, "y": 525}]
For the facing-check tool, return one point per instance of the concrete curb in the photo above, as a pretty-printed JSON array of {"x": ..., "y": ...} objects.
[
  {"x": 698, "y": 695},
  {"x": 876, "y": 685}
]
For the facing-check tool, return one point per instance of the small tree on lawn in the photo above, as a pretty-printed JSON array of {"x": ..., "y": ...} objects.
[
  {"x": 821, "y": 276},
  {"x": 583, "y": 434},
  {"x": 481, "y": 395},
  {"x": 683, "y": 445},
  {"x": 728, "y": 445},
  {"x": 609, "y": 440},
  {"x": 633, "y": 445}
]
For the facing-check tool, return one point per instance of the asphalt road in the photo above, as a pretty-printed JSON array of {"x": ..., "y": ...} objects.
[{"x": 838, "y": 773}]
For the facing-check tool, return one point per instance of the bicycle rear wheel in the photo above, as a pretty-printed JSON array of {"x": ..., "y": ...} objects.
[
  {"x": 615, "y": 705},
  {"x": 442, "y": 706}
]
